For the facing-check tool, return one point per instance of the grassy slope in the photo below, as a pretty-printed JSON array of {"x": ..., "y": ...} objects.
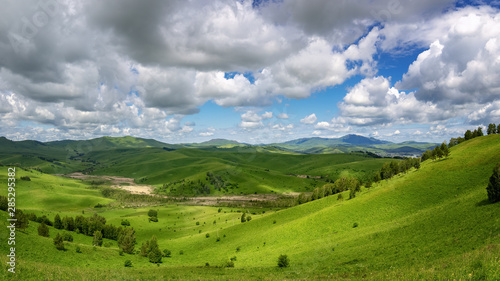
[
  {"x": 433, "y": 223},
  {"x": 47, "y": 192}
]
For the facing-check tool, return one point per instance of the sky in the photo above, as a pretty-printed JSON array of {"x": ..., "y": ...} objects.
[{"x": 253, "y": 71}]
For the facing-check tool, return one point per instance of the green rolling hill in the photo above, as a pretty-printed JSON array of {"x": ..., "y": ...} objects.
[{"x": 434, "y": 223}]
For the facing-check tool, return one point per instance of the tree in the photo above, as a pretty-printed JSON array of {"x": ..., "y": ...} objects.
[
  {"x": 468, "y": 135},
  {"x": 126, "y": 240},
  {"x": 243, "y": 217},
  {"x": 493, "y": 188},
  {"x": 154, "y": 253},
  {"x": 144, "y": 249},
  {"x": 4, "y": 203},
  {"x": 43, "y": 230},
  {"x": 445, "y": 150},
  {"x": 97, "y": 238},
  {"x": 22, "y": 220},
  {"x": 58, "y": 241},
  {"x": 57, "y": 222},
  {"x": 492, "y": 129},
  {"x": 498, "y": 129},
  {"x": 68, "y": 223},
  {"x": 152, "y": 213},
  {"x": 480, "y": 132},
  {"x": 283, "y": 261}
]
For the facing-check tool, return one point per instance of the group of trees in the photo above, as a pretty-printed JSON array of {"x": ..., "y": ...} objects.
[
  {"x": 438, "y": 152},
  {"x": 340, "y": 185},
  {"x": 94, "y": 226},
  {"x": 492, "y": 129},
  {"x": 151, "y": 250}
]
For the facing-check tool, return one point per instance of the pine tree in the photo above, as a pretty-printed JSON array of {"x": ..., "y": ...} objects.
[
  {"x": 126, "y": 240},
  {"x": 97, "y": 238},
  {"x": 493, "y": 188},
  {"x": 154, "y": 253},
  {"x": 43, "y": 230},
  {"x": 57, "y": 222}
]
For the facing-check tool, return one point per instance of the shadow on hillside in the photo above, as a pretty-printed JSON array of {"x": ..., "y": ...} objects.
[{"x": 483, "y": 203}]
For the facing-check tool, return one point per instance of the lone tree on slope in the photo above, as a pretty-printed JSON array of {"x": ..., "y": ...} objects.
[{"x": 493, "y": 188}]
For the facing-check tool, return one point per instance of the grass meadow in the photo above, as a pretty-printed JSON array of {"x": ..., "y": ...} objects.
[{"x": 428, "y": 224}]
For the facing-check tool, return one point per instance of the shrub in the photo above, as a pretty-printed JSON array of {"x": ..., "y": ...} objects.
[
  {"x": 43, "y": 230},
  {"x": 340, "y": 197},
  {"x": 125, "y": 223},
  {"x": 78, "y": 250},
  {"x": 354, "y": 225},
  {"x": 58, "y": 241},
  {"x": 218, "y": 239},
  {"x": 243, "y": 217},
  {"x": 493, "y": 188},
  {"x": 283, "y": 261},
  {"x": 153, "y": 219},
  {"x": 152, "y": 213},
  {"x": 128, "y": 263},
  {"x": 274, "y": 221},
  {"x": 167, "y": 253},
  {"x": 207, "y": 235},
  {"x": 67, "y": 237},
  {"x": 181, "y": 252},
  {"x": 238, "y": 249},
  {"x": 249, "y": 218},
  {"x": 108, "y": 244},
  {"x": 229, "y": 264},
  {"x": 26, "y": 178},
  {"x": 233, "y": 258},
  {"x": 121, "y": 253}
]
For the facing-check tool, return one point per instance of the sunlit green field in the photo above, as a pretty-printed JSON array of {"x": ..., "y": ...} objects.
[{"x": 429, "y": 224}]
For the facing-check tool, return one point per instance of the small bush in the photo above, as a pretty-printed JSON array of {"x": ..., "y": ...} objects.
[
  {"x": 207, "y": 235},
  {"x": 283, "y": 261},
  {"x": 108, "y": 244},
  {"x": 249, "y": 218},
  {"x": 167, "y": 253},
  {"x": 274, "y": 221},
  {"x": 128, "y": 263},
  {"x": 78, "y": 250},
  {"x": 67, "y": 237},
  {"x": 125, "y": 223},
  {"x": 26, "y": 178},
  {"x": 229, "y": 264},
  {"x": 181, "y": 252},
  {"x": 121, "y": 253},
  {"x": 43, "y": 230},
  {"x": 58, "y": 241},
  {"x": 218, "y": 239},
  {"x": 153, "y": 219},
  {"x": 354, "y": 225},
  {"x": 238, "y": 249},
  {"x": 152, "y": 213},
  {"x": 233, "y": 258},
  {"x": 197, "y": 223}
]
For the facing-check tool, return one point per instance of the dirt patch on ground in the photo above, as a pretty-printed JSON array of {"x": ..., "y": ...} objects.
[{"x": 129, "y": 185}]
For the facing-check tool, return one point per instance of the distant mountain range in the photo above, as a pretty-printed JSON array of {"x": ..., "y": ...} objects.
[{"x": 315, "y": 145}]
